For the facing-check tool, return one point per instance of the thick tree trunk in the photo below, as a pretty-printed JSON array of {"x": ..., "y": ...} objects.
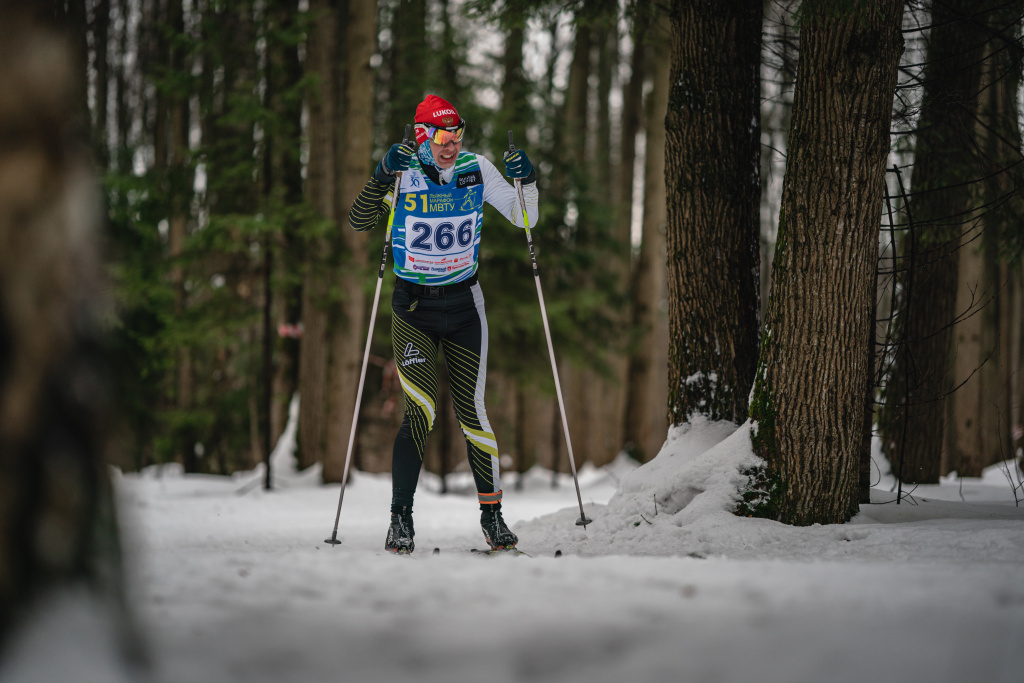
[
  {"x": 712, "y": 183},
  {"x": 640, "y": 415},
  {"x": 320, "y": 190},
  {"x": 348, "y": 333},
  {"x": 944, "y": 163},
  {"x": 808, "y": 400}
]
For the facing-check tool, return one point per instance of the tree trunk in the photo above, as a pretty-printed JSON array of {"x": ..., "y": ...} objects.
[
  {"x": 123, "y": 111},
  {"x": 410, "y": 58},
  {"x": 568, "y": 184},
  {"x": 349, "y": 331},
  {"x": 972, "y": 353},
  {"x": 711, "y": 178},
  {"x": 604, "y": 190},
  {"x": 632, "y": 113},
  {"x": 180, "y": 192},
  {"x": 639, "y": 415},
  {"x": 998, "y": 209},
  {"x": 287, "y": 172},
  {"x": 320, "y": 189},
  {"x": 101, "y": 41},
  {"x": 941, "y": 196},
  {"x": 606, "y": 424},
  {"x": 282, "y": 189},
  {"x": 515, "y": 107},
  {"x": 808, "y": 400},
  {"x": 1006, "y": 156},
  {"x": 573, "y": 139},
  {"x": 451, "y": 53}
]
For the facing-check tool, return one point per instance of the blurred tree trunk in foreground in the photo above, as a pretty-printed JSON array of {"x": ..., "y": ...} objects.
[{"x": 57, "y": 527}]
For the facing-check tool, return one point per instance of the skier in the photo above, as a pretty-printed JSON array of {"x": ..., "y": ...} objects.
[{"x": 437, "y": 301}]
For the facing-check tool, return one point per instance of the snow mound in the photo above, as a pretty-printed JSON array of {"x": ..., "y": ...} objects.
[
  {"x": 681, "y": 503},
  {"x": 669, "y": 506}
]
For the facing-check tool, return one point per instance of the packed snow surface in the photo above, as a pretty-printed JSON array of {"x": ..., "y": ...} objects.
[{"x": 234, "y": 583}]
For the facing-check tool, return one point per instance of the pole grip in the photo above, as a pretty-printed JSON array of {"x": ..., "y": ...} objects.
[
  {"x": 511, "y": 145},
  {"x": 406, "y": 140}
]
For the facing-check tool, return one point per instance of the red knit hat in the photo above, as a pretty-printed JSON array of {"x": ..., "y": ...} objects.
[{"x": 436, "y": 112}]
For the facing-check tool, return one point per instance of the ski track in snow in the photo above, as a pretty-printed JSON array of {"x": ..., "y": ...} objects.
[{"x": 233, "y": 583}]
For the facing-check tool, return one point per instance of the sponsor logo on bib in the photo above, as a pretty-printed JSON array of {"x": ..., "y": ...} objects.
[{"x": 467, "y": 179}]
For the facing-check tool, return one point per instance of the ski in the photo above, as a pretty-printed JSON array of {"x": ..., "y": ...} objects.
[{"x": 499, "y": 551}]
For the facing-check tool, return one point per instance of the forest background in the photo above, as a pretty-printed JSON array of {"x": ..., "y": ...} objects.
[{"x": 233, "y": 137}]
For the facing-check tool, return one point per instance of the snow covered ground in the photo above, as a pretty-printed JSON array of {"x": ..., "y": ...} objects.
[{"x": 235, "y": 584}]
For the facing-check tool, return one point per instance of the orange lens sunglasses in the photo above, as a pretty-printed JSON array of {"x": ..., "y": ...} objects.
[{"x": 443, "y": 136}]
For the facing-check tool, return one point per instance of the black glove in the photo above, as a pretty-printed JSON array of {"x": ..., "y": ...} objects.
[
  {"x": 396, "y": 161},
  {"x": 517, "y": 165}
]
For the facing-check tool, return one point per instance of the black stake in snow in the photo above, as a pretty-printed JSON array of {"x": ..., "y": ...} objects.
[
  {"x": 333, "y": 540},
  {"x": 583, "y": 521}
]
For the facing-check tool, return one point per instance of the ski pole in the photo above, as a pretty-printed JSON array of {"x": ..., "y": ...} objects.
[
  {"x": 583, "y": 521},
  {"x": 333, "y": 540}
]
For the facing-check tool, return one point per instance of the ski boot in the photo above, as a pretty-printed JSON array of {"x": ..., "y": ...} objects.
[
  {"x": 400, "y": 533},
  {"x": 495, "y": 530}
]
